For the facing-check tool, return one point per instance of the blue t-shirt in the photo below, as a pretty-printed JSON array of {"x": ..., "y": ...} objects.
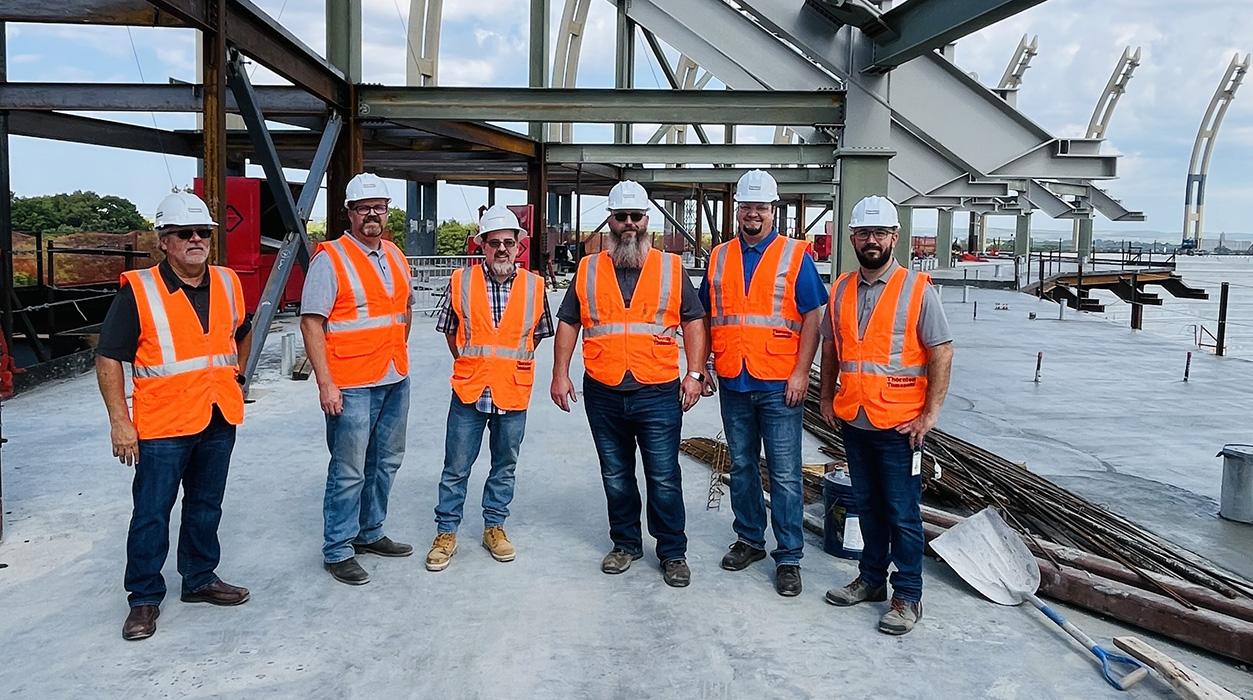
[{"x": 811, "y": 292}]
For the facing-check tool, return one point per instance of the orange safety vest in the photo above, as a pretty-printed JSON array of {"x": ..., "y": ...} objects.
[
  {"x": 640, "y": 338},
  {"x": 885, "y": 371},
  {"x": 501, "y": 357},
  {"x": 365, "y": 333},
  {"x": 759, "y": 329},
  {"x": 181, "y": 372}
]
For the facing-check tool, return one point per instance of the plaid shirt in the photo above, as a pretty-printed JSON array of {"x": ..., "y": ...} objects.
[{"x": 447, "y": 323}]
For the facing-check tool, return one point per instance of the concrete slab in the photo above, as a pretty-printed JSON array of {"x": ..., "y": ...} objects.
[{"x": 549, "y": 624}]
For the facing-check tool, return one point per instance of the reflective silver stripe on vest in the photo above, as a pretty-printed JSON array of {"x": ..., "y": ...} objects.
[
  {"x": 485, "y": 351},
  {"x": 780, "y": 274},
  {"x": 667, "y": 285},
  {"x": 528, "y": 321},
  {"x": 882, "y": 369},
  {"x": 354, "y": 280},
  {"x": 715, "y": 281},
  {"x": 194, "y": 364},
  {"x": 755, "y": 320},
  {"x": 361, "y": 324},
  {"x": 153, "y": 289},
  {"x": 466, "y": 276},
  {"x": 896, "y": 359},
  {"x": 589, "y": 288},
  {"x": 225, "y": 277},
  {"x": 622, "y": 328}
]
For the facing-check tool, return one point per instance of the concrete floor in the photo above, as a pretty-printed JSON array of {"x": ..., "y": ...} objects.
[{"x": 550, "y": 624}]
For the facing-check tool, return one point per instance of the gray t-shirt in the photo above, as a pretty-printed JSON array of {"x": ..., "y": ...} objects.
[
  {"x": 322, "y": 286},
  {"x": 932, "y": 329}
]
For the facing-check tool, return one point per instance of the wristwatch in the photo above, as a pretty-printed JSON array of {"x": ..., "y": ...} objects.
[{"x": 696, "y": 375}]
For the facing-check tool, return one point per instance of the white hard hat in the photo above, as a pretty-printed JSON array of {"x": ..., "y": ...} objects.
[
  {"x": 629, "y": 195},
  {"x": 756, "y": 186},
  {"x": 874, "y": 212},
  {"x": 183, "y": 209},
  {"x": 499, "y": 218},
  {"x": 365, "y": 186}
]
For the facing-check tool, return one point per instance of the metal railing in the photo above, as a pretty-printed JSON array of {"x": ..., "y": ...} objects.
[{"x": 431, "y": 275}]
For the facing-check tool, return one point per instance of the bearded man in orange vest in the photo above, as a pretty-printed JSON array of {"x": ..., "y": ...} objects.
[
  {"x": 182, "y": 326},
  {"x": 355, "y": 316},
  {"x": 629, "y": 303},
  {"x": 493, "y": 316},
  {"x": 886, "y": 339},
  {"x": 764, "y": 299}
]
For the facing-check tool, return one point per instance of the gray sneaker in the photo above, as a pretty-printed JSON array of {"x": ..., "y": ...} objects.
[
  {"x": 856, "y": 592},
  {"x": 900, "y": 617},
  {"x": 618, "y": 560}
]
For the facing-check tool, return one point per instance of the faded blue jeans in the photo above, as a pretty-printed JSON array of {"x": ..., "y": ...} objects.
[
  {"x": 751, "y": 419},
  {"x": 367, "y": 444},
  {"x": 462, "y": 442},
  {"x": 889, "y": 507}
]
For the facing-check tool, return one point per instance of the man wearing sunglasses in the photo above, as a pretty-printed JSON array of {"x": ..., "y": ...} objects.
[
  {"x": 886, "y": 339},
  {"x": 493, "y": 317},
  {"x": 355, "y": 316},
  {"x": 182, "y": 326},
  {"x": 629, "y": 302},
  {"x": 764, "y": 294}
]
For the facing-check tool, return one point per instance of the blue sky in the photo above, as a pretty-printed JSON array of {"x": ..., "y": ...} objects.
[{"x": 1186, "y": 47}]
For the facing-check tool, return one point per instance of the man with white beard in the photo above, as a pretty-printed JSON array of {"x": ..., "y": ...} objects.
[
  {"x": 493, "y": 316},
  {"x": 630, "y": 302}
]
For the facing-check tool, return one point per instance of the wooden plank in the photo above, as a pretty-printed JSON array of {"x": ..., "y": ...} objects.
[{"x": 1187, "y": 682}]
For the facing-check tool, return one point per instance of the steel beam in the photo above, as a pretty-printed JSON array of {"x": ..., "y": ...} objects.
[
  {"x": 921, "y": 26},
  {"x": 742, "y": 154},
  {"x": 944, "y": 239},
  {"x": 788, "y": 107},
  {"x": 133, "y": 13},
  {"x": 537, "y": 62},
  {"x": 624, "y": 61},
  {"x": 102, "y": 132},
  {"x": 213, "y": 122},
  {"x": 693, "y": 176},
  {"x": 477, "y": 134},
  {"x": 145, "y": 97},
  {"x": 343, "y": 37},
  {"x": 671, "y": 78}
]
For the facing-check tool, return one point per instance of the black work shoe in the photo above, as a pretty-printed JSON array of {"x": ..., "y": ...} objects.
[
  {"x": 741, "y": 555},
  {"x": 384, "y": 547},
  {"x": 348, "y": 571},
  {"x": 675, "y": 573},
  {"x": 618, "y": 561},
  {"x": 787, "y": 580}
]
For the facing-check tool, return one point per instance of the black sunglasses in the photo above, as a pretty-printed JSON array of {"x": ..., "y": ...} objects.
[
  {"x": 634, "y": 216},
  {"x": 186, "y": 234}
]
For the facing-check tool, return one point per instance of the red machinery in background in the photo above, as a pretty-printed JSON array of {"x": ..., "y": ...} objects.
[
  {"x": 526, "y": 219},
  {"x": 250, "y": 252}
]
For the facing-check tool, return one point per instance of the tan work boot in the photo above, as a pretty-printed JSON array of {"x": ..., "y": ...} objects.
[
  {"x": 442, "y": 549},
  {"x": 856, "y": 592},
  {"x": 497, "y": 543},
  {"x": 900, "y": 617}
]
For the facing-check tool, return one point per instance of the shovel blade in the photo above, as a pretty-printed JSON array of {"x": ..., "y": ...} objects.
[{"x": 990, "y": 556}]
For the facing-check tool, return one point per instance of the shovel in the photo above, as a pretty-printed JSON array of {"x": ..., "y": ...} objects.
[{"x": 992, "y": 558}]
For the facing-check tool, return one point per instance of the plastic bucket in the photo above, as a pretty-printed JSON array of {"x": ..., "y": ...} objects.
[{"x": 841, "y": 526}]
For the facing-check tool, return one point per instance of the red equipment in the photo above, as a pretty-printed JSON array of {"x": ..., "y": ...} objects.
[{"x": 525, "y": 214}]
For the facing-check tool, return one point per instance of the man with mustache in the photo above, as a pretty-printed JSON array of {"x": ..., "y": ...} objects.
[
  {"x": 493, "y": 316},
  {"x": 182, "y": 326},
  {"x": 764, "y": 298},
  {"x": 629, "y": 302},
  {"x": 355, "y": 316},
  {"x": 886, "y": 339}
]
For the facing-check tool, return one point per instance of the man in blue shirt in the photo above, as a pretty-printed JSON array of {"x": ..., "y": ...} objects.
[{"x": 764, "y": 297}]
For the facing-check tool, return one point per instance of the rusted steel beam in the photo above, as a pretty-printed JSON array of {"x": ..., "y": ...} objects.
[
  {"x": 213, "y": 76},
  {"x": 134, "y": 13}
]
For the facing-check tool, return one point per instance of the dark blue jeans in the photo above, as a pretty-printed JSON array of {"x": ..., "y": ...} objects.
[
  {"x": 752, "y": 418},
  {"x": 462, "y": 442},
  {"x": 888, "y": 502},
  {"x": 652, "y": 418},
  {"x": 199, "y": 462}
]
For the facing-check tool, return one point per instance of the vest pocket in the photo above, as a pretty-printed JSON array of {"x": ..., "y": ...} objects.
[
  {"x": 903, "y": 390},
  {"x": 783, "y": 346},
  {"x": 592, "y": 349},
  {"x": 353, "y": 344}
]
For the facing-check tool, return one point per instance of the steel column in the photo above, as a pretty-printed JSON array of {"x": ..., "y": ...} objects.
[
  {"x": 537, "y": 196},
  {"x": 944, "y": 238},
  {"x": 343, "y": 45},
  {"x": 860, "y": 176},
  {"x": 1022, "y": 234},
  {"x": 904, "y": 243},
  {"x": 1083, "y": 246},
  {"x": 538, "y": 61},
  {"x": 213, "y": 77},
  {"x": 624, "y": 63}
]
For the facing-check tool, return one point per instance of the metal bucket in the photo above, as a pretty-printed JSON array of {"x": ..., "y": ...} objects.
[
  {"x": 1237, "y": 493},
  {"x": 841, "y": 526}
]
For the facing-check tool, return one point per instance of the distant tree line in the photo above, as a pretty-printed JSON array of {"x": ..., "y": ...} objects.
[{"x": 74, "y": 212}]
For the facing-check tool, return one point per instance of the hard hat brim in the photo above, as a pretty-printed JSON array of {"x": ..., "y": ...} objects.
[
  {"x": 521, "y": 232},
  {"x": 175, "y": 228}
]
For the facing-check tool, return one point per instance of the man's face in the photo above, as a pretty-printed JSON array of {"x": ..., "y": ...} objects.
[
  {"x": 192, "y": 251},
  {"x": 873, "y": 245},
  {"x": 627, "y": 225},
  {"x": 501, "y": 248},
  {"x": 368, "y": 216},
  {"x": 755, "y": 218}
]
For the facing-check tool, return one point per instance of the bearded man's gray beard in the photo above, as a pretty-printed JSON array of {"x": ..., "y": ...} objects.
[
  {"x": 628, "y": 254},
  {"x": 501, "y": 269}
]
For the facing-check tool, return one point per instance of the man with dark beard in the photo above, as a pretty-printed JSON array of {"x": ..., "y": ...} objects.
[
  {"x": 629, "y": 302},
  {"x": 887, "y": 341},
  {"x": 493, "y": 316}
]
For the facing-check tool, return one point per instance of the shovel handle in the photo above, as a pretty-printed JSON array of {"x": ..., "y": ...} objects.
[{"x": 1106, "y": 656}]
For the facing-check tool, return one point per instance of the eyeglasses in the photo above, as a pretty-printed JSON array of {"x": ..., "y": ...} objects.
[
  {"x": 186, "y": 234},
  {"x": 634, "y": 216},
  {"x": 759, "y": 208},
  {"x": 364, "y": 209},
  {"x": 879, "y": 235},
  {"x": 496, "y": 243}
]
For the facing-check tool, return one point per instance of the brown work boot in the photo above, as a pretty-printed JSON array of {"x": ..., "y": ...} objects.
[
  {"x": 856, "y": 592},
  {"x": 141, "y": 622},
  {"x": 900, "y": 617},
  {"x": 497, "y": 543},
  {"x": 442, "y": 549},
  {"x": 618, "y": 561},
  {"x": 218, "y": 593}
]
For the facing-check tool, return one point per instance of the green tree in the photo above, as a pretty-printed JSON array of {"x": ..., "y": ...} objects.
[
  {"x": 398, "y": 225},
  {"x": 78, "y": 211},
  {"x": 450, "y": 237}
]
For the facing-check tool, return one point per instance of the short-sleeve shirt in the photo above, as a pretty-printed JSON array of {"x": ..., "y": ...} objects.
[
  {"x": 932, "y": 328},
  {"x": 811, "y": 293},
  {"x": 570, "y": 311},
  {"x": 322, "y": 286}
]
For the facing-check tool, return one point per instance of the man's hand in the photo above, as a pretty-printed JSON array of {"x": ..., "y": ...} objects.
[
  {"x": 797, "y": 385},
  {"x": 331, "y": 398},
  {"x": 125, "y": 441},
  {"x": 828, "y": 411},
  {"x": 710, "y": 386},
  {"x": 917, "y": 429},
  {"x": 689, "y": 392},
  {"x": 562, "y": 392}
]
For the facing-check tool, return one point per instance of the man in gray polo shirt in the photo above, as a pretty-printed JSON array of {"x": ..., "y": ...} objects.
[{"x": 893, "y": 361}]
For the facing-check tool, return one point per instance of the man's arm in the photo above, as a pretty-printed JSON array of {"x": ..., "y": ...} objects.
[
  {"x": 939, "y": 369},
  {"x": 828, "y": 371},
  {"x": 562, "y": 389},
  {"x": 696, "y": 348},
  {"x": 313, "y": 330},
  {"x": 110, "y": 376},
  {"x": 798, "y": 383},
  {"x": 243, "y": 348},
  {"x": 452, "y": 345}
]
